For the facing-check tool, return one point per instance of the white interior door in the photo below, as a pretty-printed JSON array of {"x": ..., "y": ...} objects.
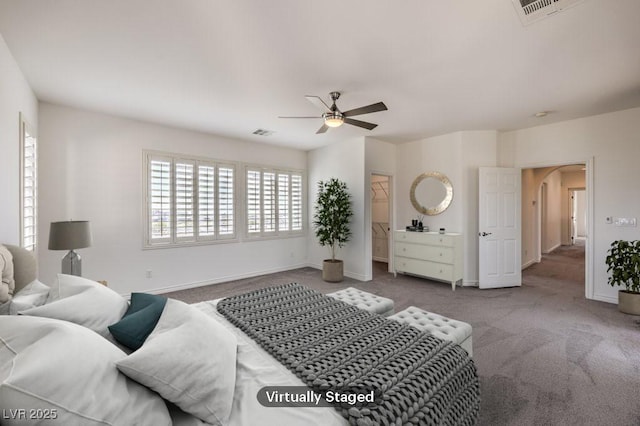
[{"x": 499, "y": 227}]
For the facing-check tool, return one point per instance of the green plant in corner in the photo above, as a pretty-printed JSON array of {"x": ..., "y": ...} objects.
[
  {"x": 623, "y": 266},
  {"x": 331, "y": 221},
  {"x": 623, "y": 261},
  {"x": 333, "y": 214}
]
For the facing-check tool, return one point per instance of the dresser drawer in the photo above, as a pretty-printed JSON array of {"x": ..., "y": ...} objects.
[
  {"x": 433, "y": 253},
  {"x": 430, "y": 238},
  {"x": 429, "y": 254},
  {"x": 425, "y": 268}
]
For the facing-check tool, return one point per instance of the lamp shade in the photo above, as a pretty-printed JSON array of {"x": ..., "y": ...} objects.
[{"x": 69, "y": 235}]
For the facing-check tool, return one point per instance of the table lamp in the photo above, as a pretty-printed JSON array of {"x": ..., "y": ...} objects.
[{"x": 70, "y": 235}]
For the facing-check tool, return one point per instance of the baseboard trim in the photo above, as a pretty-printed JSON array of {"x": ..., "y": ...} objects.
[
  {"x": 605, "y": 298},
  {"x": 552, "y": 249},
  {"x": 529, "y": 263},
  {"x": 359, "y": 277},
  {"x": 220, "y": 280}
]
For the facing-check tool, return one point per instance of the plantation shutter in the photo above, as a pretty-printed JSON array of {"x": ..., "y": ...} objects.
[
  {"x": 160, "y": 211},
  {"x": 296, "y": 202},
  {"x": 189, "y": 200},
  {"x": 269, "y": 201},
  {"x": 254, "y": 195},
  {"x": 226, "y": 223},
  {"x": 29, "y": 189},
  {"x": 274, "y": 202},
  {"x": 184, "y": 190},
  {"x": 206, "y": 201},
  {"x": 284, "y": 207}
]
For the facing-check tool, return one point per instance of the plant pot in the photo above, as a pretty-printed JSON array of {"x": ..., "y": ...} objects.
[
  {"x": 629, "y": 302},
  {"x": 332, "y": 270}
]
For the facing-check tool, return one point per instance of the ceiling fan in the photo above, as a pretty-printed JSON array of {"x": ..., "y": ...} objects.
[{"x": 333, "y": 117}]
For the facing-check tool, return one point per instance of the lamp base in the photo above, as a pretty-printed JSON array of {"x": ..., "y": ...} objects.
[{"x": 72, "y": 264}]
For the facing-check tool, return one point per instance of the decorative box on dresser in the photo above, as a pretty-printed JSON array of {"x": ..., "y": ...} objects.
[{"x": 429, "y": 254}]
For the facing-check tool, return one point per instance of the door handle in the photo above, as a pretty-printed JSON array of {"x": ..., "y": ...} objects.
[{"x": 484, "y": 234}]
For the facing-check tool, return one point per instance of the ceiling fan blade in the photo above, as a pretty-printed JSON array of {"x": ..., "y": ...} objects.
[
  {"x": 322, "y": 129},
  {"x": 280, "y": 116},
  {"x": 318, "y": 102},
  {"x": 380, "y": 106},
  {"x": 363, "y": 124}
]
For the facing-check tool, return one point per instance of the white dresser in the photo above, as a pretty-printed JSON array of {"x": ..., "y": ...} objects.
[{"x": 429, "y": 254}]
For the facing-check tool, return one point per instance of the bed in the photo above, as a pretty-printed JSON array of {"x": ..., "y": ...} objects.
[{"x": 156, "y": 361}]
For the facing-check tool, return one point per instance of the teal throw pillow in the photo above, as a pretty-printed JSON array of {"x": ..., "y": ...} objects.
[{"x": 139, "y": 320}]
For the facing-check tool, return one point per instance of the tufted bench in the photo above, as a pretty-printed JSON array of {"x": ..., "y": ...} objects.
[
  {"x": 363, "y": 300},
  {"x": 442, "y": 327}
]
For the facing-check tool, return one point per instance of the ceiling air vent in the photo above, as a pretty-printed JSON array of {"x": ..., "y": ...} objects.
[
  {"x": 263, "y": 132},
  {"x": 534, "y": 10}
]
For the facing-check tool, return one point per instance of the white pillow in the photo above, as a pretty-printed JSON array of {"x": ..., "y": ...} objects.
[
  {"x": 190, "y": 360},
  {"x": 33, "y": 294},
  {"x": 83, "y": 302},
  {"x": 68, "y": 373}
]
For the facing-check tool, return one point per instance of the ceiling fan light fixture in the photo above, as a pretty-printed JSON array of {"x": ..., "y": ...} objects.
[{"x": 333, "y": 119}]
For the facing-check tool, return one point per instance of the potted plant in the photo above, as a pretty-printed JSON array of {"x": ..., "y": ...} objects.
[
  {"x": 331, "y": 222},
  {"x": 623, "y": 261}
]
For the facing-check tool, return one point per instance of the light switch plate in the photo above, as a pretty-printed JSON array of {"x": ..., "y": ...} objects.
[{"x": 625, "y": 221}]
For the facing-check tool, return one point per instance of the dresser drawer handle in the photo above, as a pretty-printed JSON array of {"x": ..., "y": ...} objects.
[{"x": 440, "y": 254}]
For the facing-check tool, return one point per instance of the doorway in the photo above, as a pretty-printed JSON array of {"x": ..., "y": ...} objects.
[
  {"x": 380, "y": 220},
  {"x": 578, "y": 203},
  {"x": 555, "y": 214}
]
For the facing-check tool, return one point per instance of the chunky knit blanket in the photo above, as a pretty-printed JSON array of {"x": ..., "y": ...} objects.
[{"x": 417, "y": 378}]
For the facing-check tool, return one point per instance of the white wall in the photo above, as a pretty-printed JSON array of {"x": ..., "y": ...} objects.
[
  {"x": 529, "y": 198},
  {"x": 612, "y": 141},
  {"x": 580, "y": 200},
  {"x": 438, "y": 154},
  {"x": 345, "y": 161},
  {"x": 553, "y": 212},
  {"x": 91, "y": 168},
  {"x": 570, "y": 182},
  {"x": 457, "y": 155},
  {"x": 15, "y": 97}
]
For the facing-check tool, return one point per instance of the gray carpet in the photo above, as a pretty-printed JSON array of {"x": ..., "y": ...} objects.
[{"x": 545, "y": 354}]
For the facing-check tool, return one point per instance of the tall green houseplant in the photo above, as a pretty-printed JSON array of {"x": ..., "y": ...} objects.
[
  {"x": 623, "y": 266},
  {"x": 331, "y": 222}
]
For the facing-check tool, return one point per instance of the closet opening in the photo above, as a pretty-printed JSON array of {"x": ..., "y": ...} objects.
[{"x": 380, "y": 223}]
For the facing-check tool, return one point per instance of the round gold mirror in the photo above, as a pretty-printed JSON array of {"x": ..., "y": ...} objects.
[{"x": 431, "y": 193}]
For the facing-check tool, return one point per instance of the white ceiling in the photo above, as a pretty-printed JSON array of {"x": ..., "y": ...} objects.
[{"x": 231, "y": 67}]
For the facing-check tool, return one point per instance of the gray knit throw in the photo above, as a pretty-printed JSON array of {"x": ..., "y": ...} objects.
[{"x": 328, "y": 344}]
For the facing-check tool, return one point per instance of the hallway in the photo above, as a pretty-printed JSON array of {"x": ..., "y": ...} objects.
[{"x": 564, "y": 267}]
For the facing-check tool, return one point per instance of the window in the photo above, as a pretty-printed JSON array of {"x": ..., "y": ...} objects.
[
  {"x": 28, "y": 187},
  {"x": 274, "y": 202},
  {"x": 188, "y": 200}
]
